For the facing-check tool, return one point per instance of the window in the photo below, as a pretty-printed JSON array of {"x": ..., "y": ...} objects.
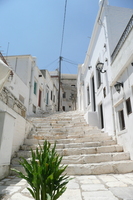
[
  {"x": 128, "y": 106},
  {"x": 121, "y": 120},
  {"x": 73, "y": 85},
  {"x": 98, "y": 79},
  {"x": 51, "y": 95},
  {"x": 104, "y": 92},
  {"x": 63, "y": 107},
  {"x": 101, "y": 116},
  {"x": 88, "y": 95},
  {"x": 21, "y": 98},
  {"x": 47, "y": 97},
  {"x": 64, "y": 95},
  {"x": 35, "y": 87},
  {"x": 34, "y": 109},
  {"x": 39, "y": 98}
]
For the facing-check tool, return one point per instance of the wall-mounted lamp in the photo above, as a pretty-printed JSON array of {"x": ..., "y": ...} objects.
[
  {"x": 118, "y": 86},
  {"x": 89, "y": 67},
  {"x": 99, "y": 67}
]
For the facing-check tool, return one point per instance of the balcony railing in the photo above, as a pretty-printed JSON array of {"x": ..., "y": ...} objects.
[
  {"x": 11, "y": 101},
  {"x": 124, "y": 36}
]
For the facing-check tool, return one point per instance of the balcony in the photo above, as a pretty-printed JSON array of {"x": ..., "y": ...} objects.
[{"x": 123, "y": 38}]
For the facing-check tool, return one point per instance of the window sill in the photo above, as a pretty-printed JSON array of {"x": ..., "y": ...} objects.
[
  {"x": 122, "y": 132},
  {"x": 100, "y": 89}
]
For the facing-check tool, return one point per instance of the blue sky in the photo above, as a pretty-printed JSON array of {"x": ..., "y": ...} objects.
[{"x": 35, "y": 27}]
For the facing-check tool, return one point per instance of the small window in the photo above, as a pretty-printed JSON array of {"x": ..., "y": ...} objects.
[
  {"x": 34, "y": 109},
  {"x": 35, "y": 87},
  {"x": 47, "y": 97},
  {"x": 54, "y": 98},
  {"x": 128, "y": 105},
  {"x": 51, "y": 95},
  {"x": 64, "y": 95},
  {"x": 121, "y": 120},
  {"x": 39, "y": 98},
  {"x": 63, "y": 107},
  {"x": 73, "y": 85},
  {"x": 88, "y": 95},
  {"x": 104, "y": 92},
  {"x": 69, "y": 106},
  {"x": 99, "y": 82}
]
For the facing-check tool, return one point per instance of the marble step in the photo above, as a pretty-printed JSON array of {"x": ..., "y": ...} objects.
[
  {"x": 65, "y": 137},
  {"x": 73, "y": 145},
  {"x": 84, "y": 159},
  {"x": 68, "y": 140},
  {"x": 79, "y": 151},
  {"x": 95, "y": 158},
  {"x": 64, "y": 132},
  {"x": 114, "y": 167},
  {"x": 68, "y": 127}
]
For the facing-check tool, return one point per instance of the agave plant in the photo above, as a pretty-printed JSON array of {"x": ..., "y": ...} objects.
[{"x": 44, "y": 173}]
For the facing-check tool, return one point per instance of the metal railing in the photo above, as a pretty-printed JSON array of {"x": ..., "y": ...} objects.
[{"x": 124, "y": 36}]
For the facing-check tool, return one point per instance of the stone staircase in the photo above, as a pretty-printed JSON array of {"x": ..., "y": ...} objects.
[{"x": 85, "y": 149}]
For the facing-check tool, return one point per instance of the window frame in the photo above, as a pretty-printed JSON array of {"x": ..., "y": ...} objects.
[
  {"x": 121, "y": 120},
  {"x": 128, "y": 106},
  {"x": 35, "y": 87},
  {"x": 88, "y": 95}
]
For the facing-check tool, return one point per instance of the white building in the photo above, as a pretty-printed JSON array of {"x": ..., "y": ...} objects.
[
  {"x": 111, "y": 47},
  {"x": 13, "y": 125},
  {"x": 33, "y": 87},
  {"x": 24, "y": 91},
  {"x": 69, "y": 89}
]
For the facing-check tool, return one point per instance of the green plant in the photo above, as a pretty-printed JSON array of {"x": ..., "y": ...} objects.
[{"x": 44, "y": 173}]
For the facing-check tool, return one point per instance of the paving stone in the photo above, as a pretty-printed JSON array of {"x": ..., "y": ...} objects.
[
  {"x": 98, "y": 195},
  {"x": 71, "y": 195},
  {"x": 107, "y": 178},
  {"x": 93, "y": 187},
  {"x": 19, "y": 196},
  {"x": 9, "y": 189},
  {"x": 73, "y": 185},
  {"x": 123, "y": 193},
  {"x": 116, "y": 184}
]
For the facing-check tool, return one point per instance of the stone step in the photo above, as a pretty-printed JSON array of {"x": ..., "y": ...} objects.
[
  {"x": 95, "y": 158},
  {"x": 73, "y": 145},
  {"x": 79, "y": 151},
  {"x": 85, "y": 149},
  {"x": 68, "y": 127},
  {"x": 115, "y": 167},
  {"x": 68, "y": 140},
  {"x": 84, "y": 159},
  {"x": 64, "y": 138},
  {"x": 63, "y": 131}
]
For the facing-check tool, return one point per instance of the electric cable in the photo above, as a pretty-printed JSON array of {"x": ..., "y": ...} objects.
[
  {"x": 51, "y": 63},
  {"x": 63, "y": 28}
]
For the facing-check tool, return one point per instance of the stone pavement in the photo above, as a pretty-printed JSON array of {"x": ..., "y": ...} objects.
[{"x": 92, "y": 187}]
